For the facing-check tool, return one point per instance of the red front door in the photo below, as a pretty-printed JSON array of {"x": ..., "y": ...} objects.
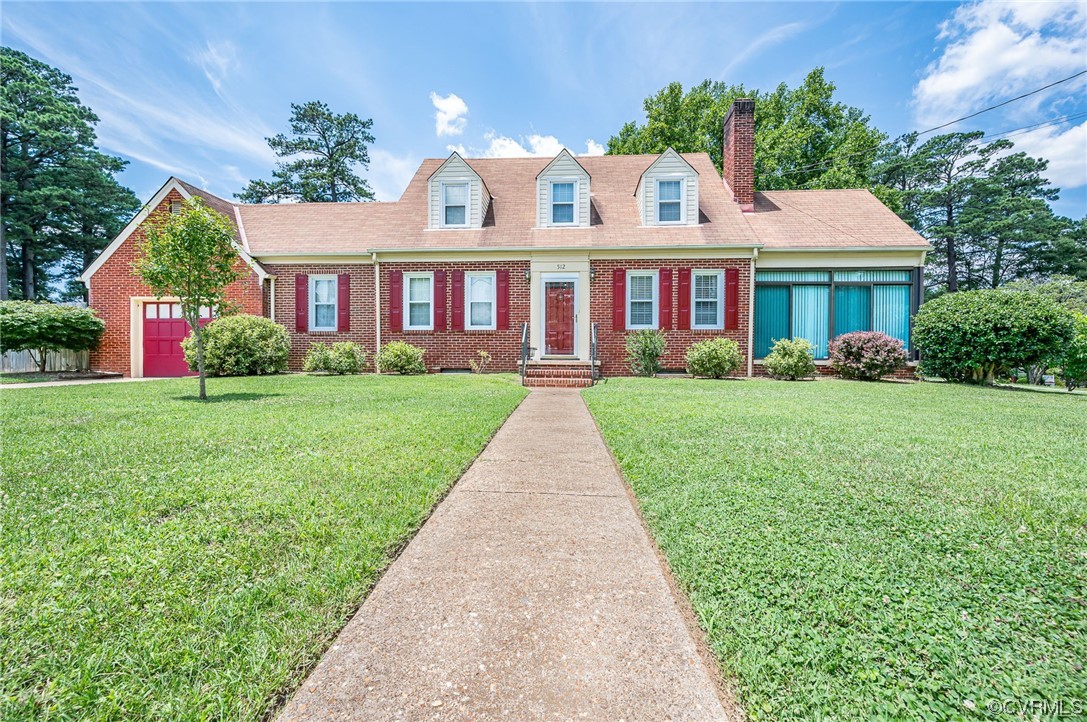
[
  {"x": 559, "y": 318},
  {"x": 163, "y": 331}
]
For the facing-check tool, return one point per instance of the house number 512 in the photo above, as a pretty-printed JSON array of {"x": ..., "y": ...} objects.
[{"x": 560, "y": 266}]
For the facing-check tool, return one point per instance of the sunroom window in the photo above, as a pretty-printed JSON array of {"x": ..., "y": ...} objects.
[
  {"x": 669, "y": 201},
  {"x": 455, "y": 204},
  {"x": 562, "y": 203}
]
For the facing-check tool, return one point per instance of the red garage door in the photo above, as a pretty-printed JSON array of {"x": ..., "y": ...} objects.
[{"x": 163, "y": 331}]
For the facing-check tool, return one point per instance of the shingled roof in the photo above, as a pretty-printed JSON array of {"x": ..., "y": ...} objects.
[{"x": 821, "y": 219}]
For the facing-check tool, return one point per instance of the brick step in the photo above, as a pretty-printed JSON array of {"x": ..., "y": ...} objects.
[
  {"x": 560, "y": 373},
  {"x": 556, "y": 382}
]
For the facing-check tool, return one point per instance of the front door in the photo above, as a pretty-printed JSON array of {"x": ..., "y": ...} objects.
[{"x": 558, "y": 318}]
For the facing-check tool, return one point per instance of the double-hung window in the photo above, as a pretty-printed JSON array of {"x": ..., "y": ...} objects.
[
  {"x": 322, "y": 303},
  {"x": 708, "y": 291},
  {"x": 419, "y": 301},
  {"x": 479, "y": 298},
  {"x": 454, "y": 205},
  {"x": 670, "y": 201},
  {"x": 641, "y": 299},
  {"x": 562, "y": 203}
]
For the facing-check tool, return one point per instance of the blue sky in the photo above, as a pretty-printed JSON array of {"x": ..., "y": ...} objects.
[{"x": 193, "y": 89}]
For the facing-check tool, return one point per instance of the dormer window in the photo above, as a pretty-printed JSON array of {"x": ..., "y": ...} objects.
[
  {"x": 454, "y": 205},
  {"x": 563, "y": 209},
  {"x": 670, "y": 201}
]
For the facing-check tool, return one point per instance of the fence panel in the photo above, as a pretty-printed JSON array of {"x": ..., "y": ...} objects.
[{"x": 15, "y": 361}]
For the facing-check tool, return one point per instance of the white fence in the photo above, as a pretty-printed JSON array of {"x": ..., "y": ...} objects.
[{"x": 58, "y": 361}]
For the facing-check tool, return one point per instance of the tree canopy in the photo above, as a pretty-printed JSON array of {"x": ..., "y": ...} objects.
[
  {"x": 59, "y": 197},
  {"x": 324, "y": 151},
  {"x": 804, "y": 138}
]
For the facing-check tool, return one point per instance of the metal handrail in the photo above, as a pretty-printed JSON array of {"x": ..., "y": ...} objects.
[
  {"x": 592, "y": 353},
  {"x": 524, "y": 351}
]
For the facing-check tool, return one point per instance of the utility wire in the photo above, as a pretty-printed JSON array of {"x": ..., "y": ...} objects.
[{"x": 830, "y": 161}]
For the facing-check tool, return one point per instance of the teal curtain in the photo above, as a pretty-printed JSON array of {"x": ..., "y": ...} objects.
[
  {"x": 793, "y": 276},
  {"x": 811, "y": 316},
  {"x": 880, "y": 276},
  {"x": 771, "y": 317},
  {"x": 852, "y": 308},
  {"x": 891, "y": 311}
]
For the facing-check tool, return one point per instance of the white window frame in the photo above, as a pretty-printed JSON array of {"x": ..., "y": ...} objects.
[
  {"x": 720, "y": 324},
  {"x": 313, "y": 279},
  {"x": 656, "y": 300},
  {"x": 467, "y": 183},
  {"x": 468, "y": 276},
  {"x": 576, "y": 182},
  {"x": 682, "y": 200},
  {"x": 407, "y": 300}
]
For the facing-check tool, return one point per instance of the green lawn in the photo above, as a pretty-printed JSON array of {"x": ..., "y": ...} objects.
[
  {"x": 869, "y": 551},
  {"x": 163, "y": 558}
]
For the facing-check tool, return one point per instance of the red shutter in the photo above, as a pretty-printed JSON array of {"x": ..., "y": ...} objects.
[
  {"x": 301, "y": 302},
  {"x": 502, "y": 281},
  {"x": 458, "y": 300},
  {"x": 439, "y": 300},
  {"x": 619, "y": 299},
  {"x": 343, "y": 303},
  {"x": 396, "y": 301},
  {"x": 665, "y": 320},
  {"x": 684, "y": 299},
  {"x": 732, "y": 298}
]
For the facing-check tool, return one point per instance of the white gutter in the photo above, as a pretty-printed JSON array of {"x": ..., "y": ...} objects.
[{"x": 272, "y": 296}]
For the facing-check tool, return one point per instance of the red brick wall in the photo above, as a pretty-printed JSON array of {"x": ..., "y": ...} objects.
[
  {"x": 612, "y": 343},
  {"x": 362, "y": 307},
  {"x": 447, "y": 349},
  {"x": 738, "y": 152},
  {"x": 115, "y": 283}
]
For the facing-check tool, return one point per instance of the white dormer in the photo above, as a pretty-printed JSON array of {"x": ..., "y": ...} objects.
[
  {"x": 668, "y": 192},
  {"x": 458, "y": 196},
  {"x": 562, "y": 193}
]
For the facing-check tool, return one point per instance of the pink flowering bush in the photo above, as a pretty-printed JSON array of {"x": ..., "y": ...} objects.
[{"x": 866, "y": 355}]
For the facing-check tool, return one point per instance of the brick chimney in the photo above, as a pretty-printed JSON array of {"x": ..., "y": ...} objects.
[{"x": 739, "y": 153}]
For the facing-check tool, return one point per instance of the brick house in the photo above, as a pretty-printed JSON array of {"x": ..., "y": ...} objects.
[{"x": 573, "y": 252}]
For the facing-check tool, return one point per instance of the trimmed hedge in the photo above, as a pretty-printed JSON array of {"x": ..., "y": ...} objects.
[
  {"x": 970, "y": 336},
  {"x": 241, "y": 345},
  {"x": 44, "y": 328},
  {"x": 644, "y": 351},
  {"x": 866, "y": 355},
  {"x": 1075, "y": 356},
  {"x": 790, "y": 360},
  {"x": 402, "y": 358},
  {"x": 344, "y": 357},
  {"x": 714, "y": 358}
]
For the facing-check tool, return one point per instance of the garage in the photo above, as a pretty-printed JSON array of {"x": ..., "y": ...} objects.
[{"x": 163, "y": 331}]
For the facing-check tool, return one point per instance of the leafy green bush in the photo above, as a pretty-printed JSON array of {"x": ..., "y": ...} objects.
[
  {"x": 971, "y": 335},
  {"x": 1075, "y": 356},
  {"x": 402, "y": 358},
  {"x": 343, "y": 357},
  {"x": 644, "y": 351},
  {"x": 790, "y": 360},
  {"x": 866, "y": 355},
  {"x": 714, "y": 358},
  {"x": 44, "y": 328},
  {"x": 241, "y": 345}
]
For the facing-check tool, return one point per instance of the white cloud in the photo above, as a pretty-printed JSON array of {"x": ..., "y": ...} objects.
[
  {"x": 996, "y": 50},
  {"x": 593, "y": 148},
  {"x": 773, "y": 36},
  {"x": 217, "y": 61},
  {"x": 1065, "y": 148},
  {"x": 450, "y": 118},
  {"x": 389, "y": 173},
  {"x": 531, "y": 146}
]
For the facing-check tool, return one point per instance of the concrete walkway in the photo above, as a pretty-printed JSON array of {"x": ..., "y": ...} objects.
[
  {"x": 75, "y": 382},
  {"x": 532, "y": 593}
]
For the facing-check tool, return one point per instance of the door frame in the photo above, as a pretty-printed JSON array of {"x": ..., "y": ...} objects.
[{"x": 546, "y": 278}]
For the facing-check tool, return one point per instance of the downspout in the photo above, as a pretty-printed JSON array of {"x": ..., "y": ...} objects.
[
  {"x": 751, "y": 317},
  {"x": 377, "y": 310},
  {"x": 272, "y": 297}
]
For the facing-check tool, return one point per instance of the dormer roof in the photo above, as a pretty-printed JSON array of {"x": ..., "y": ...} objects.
[{"x": 563, "y": 154}]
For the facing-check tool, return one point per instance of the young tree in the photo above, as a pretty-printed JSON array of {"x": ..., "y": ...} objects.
[
  {"x": 803, "y": 137},
  {"x": 191, "y": 255},
  {"x": 330, "y": 146},
  {"x": 47, "y": 147}
]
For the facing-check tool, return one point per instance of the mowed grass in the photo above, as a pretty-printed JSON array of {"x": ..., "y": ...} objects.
[
  {"x": 170, "y": 559},
  {"x": 862, "y": 551}
]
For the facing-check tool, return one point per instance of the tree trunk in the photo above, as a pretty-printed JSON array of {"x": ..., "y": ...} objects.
[
  {"x": 998, "y": 261},
  {"x": 28, "y": 272},
  {"x": 3, "y": 264},
  {"x": 198, "y": 332},
  {"x": 952, "y": 273},
  {"x": 42, "y": 360}
]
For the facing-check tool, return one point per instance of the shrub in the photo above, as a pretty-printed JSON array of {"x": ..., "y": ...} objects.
[
  {"x": 644, "y": 351},
  {"x": 343, "y": 357},
  {"x": 971, "y": 335},
  {"x": 241, "y": 345},
  {"x": 1075, "y": 356},
  {"x": 44, "y": 328},
  {"x": 714, "y": 358},
  {"x": 790, "y": 360},
  {"x": 401, "y": 358},
  {"x": 866, "y": 355},
  {"x": 480, "y": 363}
]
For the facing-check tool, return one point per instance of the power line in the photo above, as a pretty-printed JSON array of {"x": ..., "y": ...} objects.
[{"x": 827, "y": 162}]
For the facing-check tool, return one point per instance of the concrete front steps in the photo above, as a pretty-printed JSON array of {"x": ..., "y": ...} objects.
[{"x": 558, "y": 374}]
